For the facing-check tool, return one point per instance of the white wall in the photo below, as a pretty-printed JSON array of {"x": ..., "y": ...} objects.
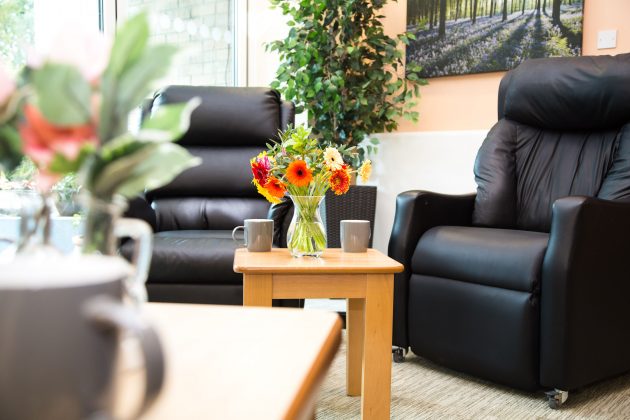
[{"x": 434, "y": 161}]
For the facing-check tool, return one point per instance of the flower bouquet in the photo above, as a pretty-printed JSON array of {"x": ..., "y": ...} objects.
[
  {"x": 298, "y": 166},
  {"x": 67, "y": 111}
]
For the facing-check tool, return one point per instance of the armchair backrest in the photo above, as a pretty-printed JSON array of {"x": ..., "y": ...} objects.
[
  {"x": 563, "y": 130},
  {"x": 231, "y": 126}
]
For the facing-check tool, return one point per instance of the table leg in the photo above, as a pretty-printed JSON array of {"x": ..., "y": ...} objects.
[
  {"x": 355, "y": 328},
  {"x": 377, "y": 358},
  {"x": 257, "y": 289}
]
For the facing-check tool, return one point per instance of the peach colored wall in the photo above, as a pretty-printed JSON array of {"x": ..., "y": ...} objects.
[{"x": 470, "y": 102}]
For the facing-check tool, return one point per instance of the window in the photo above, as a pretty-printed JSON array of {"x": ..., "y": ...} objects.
[
  {"x": 204, "y": 31},
  {"x": 27, "y": 22},
  {"x": 16, "y": 32}
]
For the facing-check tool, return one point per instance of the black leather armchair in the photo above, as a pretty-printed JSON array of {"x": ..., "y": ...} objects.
[
  {"x": 526, "y": 282},
  {"x": 194, "y": 215}
]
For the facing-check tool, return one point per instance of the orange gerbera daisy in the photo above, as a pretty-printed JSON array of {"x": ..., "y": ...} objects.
[
  {"x": 275, "y": 187},
  {"x": 340, "y": 181},
  {"x": 298, "y": 173},
  {"x": 265, "y": 193}
]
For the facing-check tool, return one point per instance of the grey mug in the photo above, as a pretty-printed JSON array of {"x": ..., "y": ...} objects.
[
  {"x": 355, "y": 235},
  {"x": 258, "y": 234},
  {"x": 60, "y": 324}
]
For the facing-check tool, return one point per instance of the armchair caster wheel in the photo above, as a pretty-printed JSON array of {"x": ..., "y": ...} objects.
[
  {"x": 399, "y": 354},
  {"x": 556, "y": 398}
]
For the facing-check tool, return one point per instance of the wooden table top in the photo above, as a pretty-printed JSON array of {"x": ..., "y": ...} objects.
[
  {"x": 333, "y": 260},
  {"x": 230, "y": 362}
]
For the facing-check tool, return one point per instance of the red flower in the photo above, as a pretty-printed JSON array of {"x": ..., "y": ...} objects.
[
  {"x": 261, "y": 167},
  {"x": 298, "y": 173},
  {"x": 340, "y": 181},
  {"x": 275, "y": 187},
  {"x": 43, "y": 139}
]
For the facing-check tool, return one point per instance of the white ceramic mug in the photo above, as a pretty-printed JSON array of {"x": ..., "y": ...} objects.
[
  {"x": 60, "y": 324},
  {"x": 355, "y": 235},
  {"x": 258, "y": 234}
]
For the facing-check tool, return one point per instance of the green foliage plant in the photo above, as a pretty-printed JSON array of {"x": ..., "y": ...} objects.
[{"x": 338, "y": 64}]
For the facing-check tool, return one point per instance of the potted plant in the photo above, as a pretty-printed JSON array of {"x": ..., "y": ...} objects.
[{"x": 338, "y": 64}]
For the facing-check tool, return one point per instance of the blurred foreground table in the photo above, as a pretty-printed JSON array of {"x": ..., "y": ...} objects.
[{"x": 228, "y": 362}]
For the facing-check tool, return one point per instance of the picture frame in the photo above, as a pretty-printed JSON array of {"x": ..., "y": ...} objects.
[{"x": 455, "y": 37}]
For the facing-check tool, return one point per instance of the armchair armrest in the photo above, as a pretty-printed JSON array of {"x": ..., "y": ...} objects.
[
  {"x": 585, "y": 316},
  {"x": 417, "y": 212}
]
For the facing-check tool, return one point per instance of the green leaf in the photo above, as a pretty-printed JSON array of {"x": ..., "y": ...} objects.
[
  {"x": 130, "y": 42},
  {"x": 10, "y": 148},
  {"x": 62, "y": 94},
  {"x": 132, "y": 86},
  {"x": 61, "y": 165},
  {"x": 169, "y": 122},
  {"x": 150, "y": 167}
]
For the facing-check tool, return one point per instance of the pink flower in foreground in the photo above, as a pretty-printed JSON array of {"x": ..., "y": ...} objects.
[
  {"x": 43, "y": 140},
  {"x": 7, "y": 85},
  {"x": 75, "y": 45}
]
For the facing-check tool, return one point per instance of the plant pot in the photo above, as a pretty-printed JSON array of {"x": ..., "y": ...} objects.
[{"x": 359, "y": 203}]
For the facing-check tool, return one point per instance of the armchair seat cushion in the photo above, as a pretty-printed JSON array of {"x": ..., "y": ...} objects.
[
  {"x": 193, "y": 257},
  {"x": 509, "y": 259}
]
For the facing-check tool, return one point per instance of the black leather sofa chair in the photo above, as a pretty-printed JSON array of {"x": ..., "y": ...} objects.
[
  {"x": 194, "y": 215},
  {"x": 526, "y": 283}
]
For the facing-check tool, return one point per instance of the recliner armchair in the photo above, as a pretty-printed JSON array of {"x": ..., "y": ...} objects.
[
  {"x": 526, "y": 282},
  {"x": 193, "y": 216}
]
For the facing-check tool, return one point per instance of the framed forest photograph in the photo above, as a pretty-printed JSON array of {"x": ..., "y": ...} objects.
[{"x": 476, "y": 36}]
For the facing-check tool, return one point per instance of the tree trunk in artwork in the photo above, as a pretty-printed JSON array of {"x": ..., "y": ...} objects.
[
  {"x": 431, "y": 15},
  {"x": 545, "y": 6},
  {"x": 504, "y": 11},
  {"x": 436, "y": 14},
  {"x": 474, "y": 11},
  {"x": 442, "y": 29},
  {"x": 457, "y": 6},
  {"x": 555, "y": 12}
]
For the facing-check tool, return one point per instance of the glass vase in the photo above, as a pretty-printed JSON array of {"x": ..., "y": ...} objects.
[
  {"x": 306, "y": 236},
  {"x": 104, "y": 226}
]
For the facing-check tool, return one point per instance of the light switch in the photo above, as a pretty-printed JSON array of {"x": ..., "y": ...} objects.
[{"x": 607, "y": 39}]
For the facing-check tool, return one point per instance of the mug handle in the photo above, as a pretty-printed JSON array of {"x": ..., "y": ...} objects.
[
  {"x": 244, "y": 237},
  {"x": 110, "y": 314},
  {"x": 142, "y": 235}
]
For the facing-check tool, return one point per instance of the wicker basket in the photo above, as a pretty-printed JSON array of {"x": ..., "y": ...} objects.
[{"x": 358, "y": 203}]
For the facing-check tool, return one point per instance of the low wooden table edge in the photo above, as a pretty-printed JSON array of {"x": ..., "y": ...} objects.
[
  {"x": 366, "y": 280},
  {"x": 302, "y": 404}
]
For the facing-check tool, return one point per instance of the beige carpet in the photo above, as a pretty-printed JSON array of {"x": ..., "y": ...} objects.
[{"x": 423, "y": 390}]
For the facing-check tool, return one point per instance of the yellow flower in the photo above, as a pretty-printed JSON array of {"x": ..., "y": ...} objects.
[
  {"x": 365, "y": 170},
  {"x": 333, "y": 159},
  {"x": 265, "y": 193}
]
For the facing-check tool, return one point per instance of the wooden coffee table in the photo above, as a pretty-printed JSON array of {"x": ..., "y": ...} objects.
[
  {"x": 230, "y": 362},
  {"x": 366, "y": 280}
]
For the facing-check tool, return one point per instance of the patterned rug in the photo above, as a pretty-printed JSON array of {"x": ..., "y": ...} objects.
[{"x": 424, "y": 390}]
